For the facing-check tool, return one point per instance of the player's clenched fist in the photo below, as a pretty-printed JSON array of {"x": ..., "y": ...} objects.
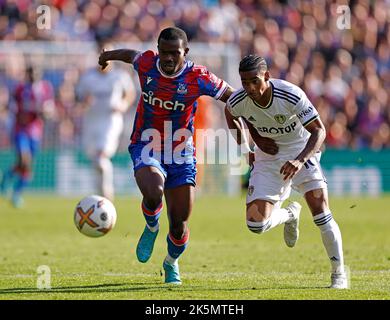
[{"x": 103, "y": 58}]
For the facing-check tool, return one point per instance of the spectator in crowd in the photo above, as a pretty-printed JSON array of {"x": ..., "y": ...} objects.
[{"x": 303, "y": 40}]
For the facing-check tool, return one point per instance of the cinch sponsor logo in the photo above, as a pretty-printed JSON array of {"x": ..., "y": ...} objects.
[
  {"x": 157, "y": 102},
  {"x": 305, "y": 112},
  {"x": 273, "y": 130}
]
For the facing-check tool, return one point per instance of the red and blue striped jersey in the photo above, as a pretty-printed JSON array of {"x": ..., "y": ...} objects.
[
  {"x": 29, "y": 99},
  {"x": 170, "y": 100}
]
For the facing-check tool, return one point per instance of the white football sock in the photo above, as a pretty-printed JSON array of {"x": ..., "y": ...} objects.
[
  {"x": 155, "y": 228},
  {"x": 278, "y": 216},
  {"x": 170, "y": 260},
  {"x": 331, "y": 238},
  {"x": 105, "y": 179}
]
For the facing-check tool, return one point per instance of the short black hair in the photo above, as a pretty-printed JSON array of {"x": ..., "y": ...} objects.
[
  {"x": 173, "y": 33},
  {"x": 253, "y": 62}
]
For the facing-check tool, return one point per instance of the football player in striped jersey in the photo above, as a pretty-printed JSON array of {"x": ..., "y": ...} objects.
[
  {"x": 34, "y": 100},
  {"x": 170, "y": 86}
]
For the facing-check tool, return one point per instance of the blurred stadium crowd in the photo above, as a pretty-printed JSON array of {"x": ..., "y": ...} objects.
[{"x": 345, "y": 73}]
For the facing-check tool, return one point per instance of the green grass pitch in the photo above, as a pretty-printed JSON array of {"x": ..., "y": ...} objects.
[{"x": 223, "y": 261}]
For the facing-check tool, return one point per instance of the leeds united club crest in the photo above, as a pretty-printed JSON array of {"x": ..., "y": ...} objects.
[{"x": 280, "y": 118}]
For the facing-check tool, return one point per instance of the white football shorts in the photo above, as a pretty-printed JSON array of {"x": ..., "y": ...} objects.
[{"x": 266, "y": 182}]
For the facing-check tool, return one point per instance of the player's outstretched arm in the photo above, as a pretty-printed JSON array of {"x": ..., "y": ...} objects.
[
  {"x": 125, "y": 55},
  {"x": 317, "y": 137},
  {"x": 228, "y": 92},
  {"x": 237, "y": 129},
  {"x": 234, "y": 126}
]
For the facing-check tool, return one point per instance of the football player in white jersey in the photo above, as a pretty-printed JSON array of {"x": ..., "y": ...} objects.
[
  {"x": 280, "y": 111},
  {"x": 106, "y": 97}
]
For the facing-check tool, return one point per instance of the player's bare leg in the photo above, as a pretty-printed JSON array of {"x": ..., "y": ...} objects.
[
  {"x": 105, "y": 175},
  {"x": 23, "y": 171},
  {"x": 259, "y": 210},
  {"x": 150, "y": 181},
  {"x": 317, "y": 200},
  {"x": 6, "y": 180},
  {"x": 262, "y": 215},
  {"x": 179, "y": 205}
]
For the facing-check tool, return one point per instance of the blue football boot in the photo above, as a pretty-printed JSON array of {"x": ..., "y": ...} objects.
[
  {"x": 145, "y": 245},
  {"x": 172, "y": 274}
]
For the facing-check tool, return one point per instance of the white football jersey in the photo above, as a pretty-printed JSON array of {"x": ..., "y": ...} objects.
[
  {"x": 106, "y": 90},
  {"x": 283, "y": 119}
]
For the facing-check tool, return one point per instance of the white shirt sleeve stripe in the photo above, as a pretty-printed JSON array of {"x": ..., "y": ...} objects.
[{"x": 221, "y": 91}]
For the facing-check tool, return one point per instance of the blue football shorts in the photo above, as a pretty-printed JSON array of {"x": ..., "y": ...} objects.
[
  {"x": 176, "y": 173},
  {"x": 26, "y": 144}
]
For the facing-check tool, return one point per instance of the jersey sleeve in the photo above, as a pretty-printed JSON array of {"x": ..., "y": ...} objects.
[
  {"x": 305, "y": 110},
  {"x": 234, "y": 102},
  {"x": 143, "y": 60},
  {"x": 211, "y": 85}
]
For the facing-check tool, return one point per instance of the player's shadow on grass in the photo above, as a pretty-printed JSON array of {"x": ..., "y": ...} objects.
[
  {"x": 134, "y": 287},
  {"x": 99, "y": 288}
]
